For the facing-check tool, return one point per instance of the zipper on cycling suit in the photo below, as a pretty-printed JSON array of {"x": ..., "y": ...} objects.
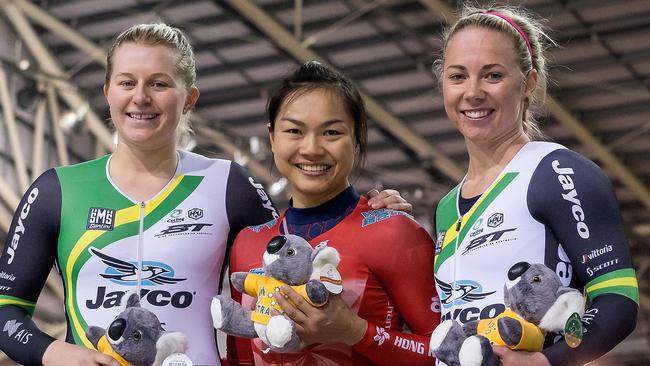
[
  {"x": 140, "y": 248},
  {"x": 460, "y": 220}
]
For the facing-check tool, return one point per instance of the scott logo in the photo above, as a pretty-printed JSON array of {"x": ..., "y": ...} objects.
[
  {"x": 182, "y": 228},
  {"x": 100, "y": 219},
  {"x": 195, "y": 213},
  {"x": 564, "y": 177},
  {"x": 20, "y": 225},
  {"x": 180, "y": 300}
]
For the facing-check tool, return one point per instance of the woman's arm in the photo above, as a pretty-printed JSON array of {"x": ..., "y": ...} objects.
[
  {"x": 28, "y": 256},
  {"x": 573, "y": 197}
]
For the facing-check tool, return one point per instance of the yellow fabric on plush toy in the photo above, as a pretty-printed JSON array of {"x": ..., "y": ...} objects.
[
  {"x": 532, "y": 338},
  {"x": 263, "y": 287},
  {"x": 104, "y": 347}
]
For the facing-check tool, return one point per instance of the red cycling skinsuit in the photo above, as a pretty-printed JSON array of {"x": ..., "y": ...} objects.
[{"x": 387, "y": 271}]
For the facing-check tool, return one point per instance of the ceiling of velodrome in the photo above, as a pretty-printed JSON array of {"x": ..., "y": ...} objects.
[{"x": 599, "y": 102}]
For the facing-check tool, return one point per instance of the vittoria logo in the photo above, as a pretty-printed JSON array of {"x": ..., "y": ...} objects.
[
  {"x": 100, "y": 219},
  {"x": 596, "y": 253}
]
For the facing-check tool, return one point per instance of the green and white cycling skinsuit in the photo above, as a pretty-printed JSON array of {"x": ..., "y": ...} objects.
[
  {"x": 78, "y": 219},
  {"x": 549, "y": 205}
]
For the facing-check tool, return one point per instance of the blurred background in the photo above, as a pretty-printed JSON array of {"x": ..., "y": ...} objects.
[{"x": 52, "y": 59}]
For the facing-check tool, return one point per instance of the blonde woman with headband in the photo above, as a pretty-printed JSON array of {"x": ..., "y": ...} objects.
[{"x": 523, "y": 200}]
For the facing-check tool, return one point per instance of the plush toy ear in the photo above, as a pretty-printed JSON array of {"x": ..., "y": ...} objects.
[
  {"x": 168, "y": 344},
  {"x": 325, "y": 255},
  {"x": 567, "y": 302},
  {"x": 133, "y": 301}
]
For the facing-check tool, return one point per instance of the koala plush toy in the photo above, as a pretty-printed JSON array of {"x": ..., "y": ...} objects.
[
  {"x": 136, "y": 337},
  {"x": 536, "y": 303},
  {"x": 290, "y": 260}
]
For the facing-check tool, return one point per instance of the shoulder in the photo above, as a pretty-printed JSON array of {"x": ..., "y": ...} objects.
[
  {"x": 91, "y": 168},
  {"x": 390, "y": 224},
  {"x": 565, "y": 166},
  {"x": 257, "y": 233},
  {"x": 195, "y": 162}
]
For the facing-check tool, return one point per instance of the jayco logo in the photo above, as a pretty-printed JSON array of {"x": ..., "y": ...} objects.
[
  {"x": 266, "y": 201},
  {"x": 564, "y": 177},
  {"x": 20, "y": 225}
]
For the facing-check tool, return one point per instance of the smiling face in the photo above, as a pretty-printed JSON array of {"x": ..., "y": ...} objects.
[
  {"x": 482, "y": 85},
  {"x": 146, "y": 95},
  {"x": 313, "y": 146}
]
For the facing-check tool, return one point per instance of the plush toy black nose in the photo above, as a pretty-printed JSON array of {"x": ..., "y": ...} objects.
[
  {"x": 276, "y": 244},
  {"x": 517, "y": 270},
  {"x": 116, "y": 329}
]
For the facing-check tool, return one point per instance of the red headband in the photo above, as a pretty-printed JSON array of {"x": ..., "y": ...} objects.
[{"x": 517, "y": 28}]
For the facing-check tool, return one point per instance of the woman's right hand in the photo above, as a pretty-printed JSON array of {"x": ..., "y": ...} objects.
[{"x": 62, "y": 353}]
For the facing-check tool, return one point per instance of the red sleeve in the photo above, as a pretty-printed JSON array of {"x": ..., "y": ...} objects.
[
  {"x": 239, "y": 351},
  {"x": 402, "y": 259}
]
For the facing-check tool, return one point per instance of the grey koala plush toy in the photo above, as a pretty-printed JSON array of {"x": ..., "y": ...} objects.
[
  {"x": 290, "y": 260},
  {"x": 136, "y": 337},
  {"x": 536, "y": 303}
]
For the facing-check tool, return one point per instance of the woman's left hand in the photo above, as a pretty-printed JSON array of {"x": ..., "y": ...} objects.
[
  {"x": 332, "y": 323},
  {"x": 388, "y": 198},
  {"x": 516, "y": 358}
]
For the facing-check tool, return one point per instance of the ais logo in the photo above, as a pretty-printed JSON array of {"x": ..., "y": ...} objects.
[{"x": 100, "y": 219}]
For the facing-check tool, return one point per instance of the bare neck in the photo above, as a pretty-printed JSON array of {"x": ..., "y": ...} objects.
[
  {"x": 487, "y": 161},
  {"x": 141, "y": 174}
]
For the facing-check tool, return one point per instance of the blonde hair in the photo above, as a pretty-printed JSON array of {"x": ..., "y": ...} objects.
[
  {"x": 154, "y": 34},
  {"x": 538, "y": 40}
]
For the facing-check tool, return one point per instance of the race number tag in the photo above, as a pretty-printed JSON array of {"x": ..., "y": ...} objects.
[
  {"x": 331, "y": 278},
  {"x": 177, "y": 359}
]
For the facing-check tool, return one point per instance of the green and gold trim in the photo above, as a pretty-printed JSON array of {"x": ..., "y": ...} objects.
[
  {"x": 29, "y": 306},
  {"x": 126, "y": 224},
  {"x": 470, "y": 217},
  {"x": 621, "y": 282}
]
